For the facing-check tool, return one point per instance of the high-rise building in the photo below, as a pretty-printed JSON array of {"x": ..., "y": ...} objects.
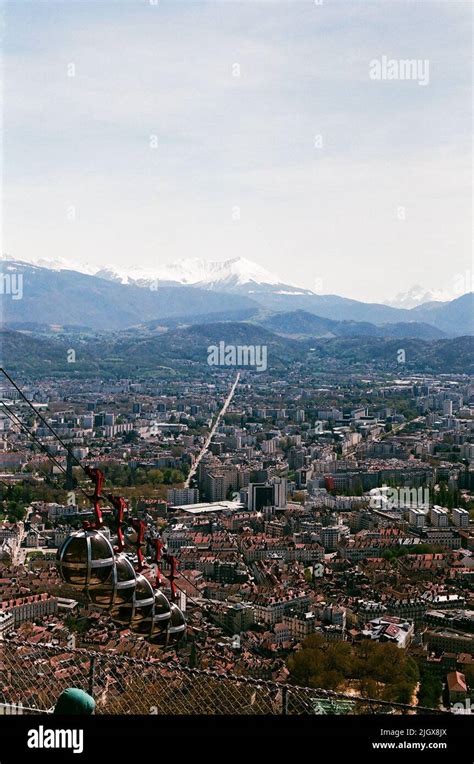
[
  {"x": 179, "y": 496},
  {"x": 448, "y": 408},
  {"x": 439, "y": 517},
  {"x": 259, "y": 495},
  {"x": 271, "y": 493},
  {"x": 280, "y": 490},
  {"x": 295, "y": 458},
  {"x": 215, "y": 487},
  {"x": 460, "y": 517},
  {"x": 416, "y": 517},
  {"x": 269, "y": 446},
  {"x": 236, "y": 617}
]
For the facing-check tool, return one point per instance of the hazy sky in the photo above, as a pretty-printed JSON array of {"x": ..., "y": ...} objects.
[{"x": 381, "y": 201}]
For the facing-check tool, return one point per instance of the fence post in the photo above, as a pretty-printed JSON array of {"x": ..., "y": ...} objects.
[
  {"x": 92, "y": 668},
  {"x": 284, "y": 701}
]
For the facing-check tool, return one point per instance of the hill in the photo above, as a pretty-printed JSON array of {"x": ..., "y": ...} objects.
[
  {"x": 300, "y": 323},
  {"x": 66, "y": 297},
  {"x": 183, "y": 350}
]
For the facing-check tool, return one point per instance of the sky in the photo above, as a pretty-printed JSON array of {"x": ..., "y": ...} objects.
[{"x": 144, "y": 131}]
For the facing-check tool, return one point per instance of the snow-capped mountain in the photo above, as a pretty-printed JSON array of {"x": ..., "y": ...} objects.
[
  {"x": 53, "y": 264},
  {"x": 417, "y": 296},
  {"x": 196, "y": 271},
  {"x": 237, "y": 274},
  {"x": 228, "y": 290}
]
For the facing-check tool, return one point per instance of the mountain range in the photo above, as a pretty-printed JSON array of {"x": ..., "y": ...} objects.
[
  {"x": 185, "y": 351},
  {"x": 417, "y": 295},
  {"x": 196, "y": 291},
  {"x": 299, "y": 324}
]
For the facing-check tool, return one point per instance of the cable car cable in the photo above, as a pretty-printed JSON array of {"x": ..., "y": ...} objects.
[
  {"x": 37, "y": 413},
  {"x": 78, "y": 462},
  {"x": 42, "y": 446}
]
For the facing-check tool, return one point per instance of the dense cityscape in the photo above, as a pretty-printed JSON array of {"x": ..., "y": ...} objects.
[
  {"x": 323, "y": 531},
  {"x": 236, "y": 378}
]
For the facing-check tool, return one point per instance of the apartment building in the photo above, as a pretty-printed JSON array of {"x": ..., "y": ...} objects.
[{"x": 271, "y": 609}]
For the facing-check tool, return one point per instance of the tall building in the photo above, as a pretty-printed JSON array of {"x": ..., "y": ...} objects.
[
  {"x": 280, "y": 491},
  {"x": 416, "y": 517},
  {"x": 447, "y": 408},
  {"x": 236, "y": 617},
  {"x": 269, "y": 446},
  {"x": 260, "y": 495},
  {"x": 460, "y": 517},
  {"x": 330, "y": 537},
  {"x": 215, "y": 487},
  {"x": 178, "y": 496},
  {"x": 439, "y": 517},
  {"x": 295, "y": 458},
  {"x": 216, "y": 479}
]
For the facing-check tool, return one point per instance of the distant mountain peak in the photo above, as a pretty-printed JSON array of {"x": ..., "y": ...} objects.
[
  {"x": 193, "y": 271},
  {"x": 191, "y": 289},
  {"x": 52, "y": 264},
  {"x": 237, "y": 271},
  {"x": 417, "y": 295}
]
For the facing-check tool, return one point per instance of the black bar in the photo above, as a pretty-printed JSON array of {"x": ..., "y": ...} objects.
[{"x": 138, "y": 737}]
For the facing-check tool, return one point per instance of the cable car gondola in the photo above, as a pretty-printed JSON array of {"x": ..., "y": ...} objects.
[{"x": 86, "y": 559}]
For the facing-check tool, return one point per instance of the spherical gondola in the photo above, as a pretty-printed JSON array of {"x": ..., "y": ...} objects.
[
  {"x": 174, "y": 630},
  {"x": 86, "y": 559},
  {"x": 139, "y": 608},
  {"x": 177, "y": 625},
  {"x": 162, "y": 614},
  {"x": 126, "y": 581},
  {"x": 118, "y": 589}
]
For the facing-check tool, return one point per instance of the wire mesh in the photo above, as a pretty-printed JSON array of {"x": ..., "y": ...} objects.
[{"x": 32, "y": 676}]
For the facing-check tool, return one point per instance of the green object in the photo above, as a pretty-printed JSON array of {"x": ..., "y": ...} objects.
[
  {"x": 74, "y": 701},
  {"x": 333, "y": 707}
]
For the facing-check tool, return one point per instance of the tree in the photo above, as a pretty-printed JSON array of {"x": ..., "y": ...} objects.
[
  {"x": 155, "y": 476},
  {"x": 381, "y": 670},
  {"x": 36, "y": 555},
  {"x": 15, "y": 512},
  {"x": 431, "y": 688}
]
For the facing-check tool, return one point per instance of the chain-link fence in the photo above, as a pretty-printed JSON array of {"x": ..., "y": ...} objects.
[{"x": 33, "y": 675}]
